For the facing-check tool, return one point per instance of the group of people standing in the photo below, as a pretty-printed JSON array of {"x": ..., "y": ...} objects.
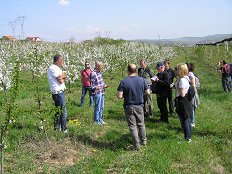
[
  {"x": 135, "y": 89},
  {"x": 164, "y": 84},
  {"x": 137, "y": 94},
  {"x": 92, "y": 82}
]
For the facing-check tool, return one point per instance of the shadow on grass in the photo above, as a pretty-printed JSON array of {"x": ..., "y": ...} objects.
[
  {"x": 122, "y": 142},
  {"x": 205, "y": 133},
  {"x": 116, "y": 114}
]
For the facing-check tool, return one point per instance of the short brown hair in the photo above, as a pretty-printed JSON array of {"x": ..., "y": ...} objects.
[
  {"x": 131, "y": 68},
  {"x": 167, "y": 61},
  {"x": 57, "y": 57}
]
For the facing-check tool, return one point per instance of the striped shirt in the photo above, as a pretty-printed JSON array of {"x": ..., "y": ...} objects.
[{"x": 97, "y": 81}]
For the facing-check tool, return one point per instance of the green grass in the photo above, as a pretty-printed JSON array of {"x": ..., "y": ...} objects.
[{"x": 88, "y": 148}]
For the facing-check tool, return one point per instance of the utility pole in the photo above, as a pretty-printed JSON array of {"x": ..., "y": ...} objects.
[
  {"x": 107, "y": 34},
  {"x": 159, "y": 37},
  {"x": 98, "y": 33},
  {"x": 21, "y": 20},
  {"x": 13, "y": 25}
]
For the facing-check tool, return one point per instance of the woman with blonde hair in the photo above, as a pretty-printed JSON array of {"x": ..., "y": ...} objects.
[{"x": 184, "y": 105}]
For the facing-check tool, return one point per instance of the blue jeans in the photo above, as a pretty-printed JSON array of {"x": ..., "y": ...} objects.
[
  {"x": 98, "y": 107},
  {"x": 226, "y": 84},
  {"x": 61, "y": 114},
  {"x": 83, "y": 93},
  {"x": 192, "y": 117},
  {"x": 186, "y": 125}
]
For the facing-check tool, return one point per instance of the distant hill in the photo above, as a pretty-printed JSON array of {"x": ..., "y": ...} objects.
[{"x": 190, "y": 40}]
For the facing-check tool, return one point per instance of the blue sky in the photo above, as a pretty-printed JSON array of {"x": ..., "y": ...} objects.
[{"x": 59, "y": 20}]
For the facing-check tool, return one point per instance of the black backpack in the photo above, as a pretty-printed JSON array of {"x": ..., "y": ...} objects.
[
  {"x": 191, "y": 92},
  {"x": 230, "y": 69}
]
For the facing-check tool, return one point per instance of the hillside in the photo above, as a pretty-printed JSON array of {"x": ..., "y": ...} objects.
[{"x": 189, "y": 40}]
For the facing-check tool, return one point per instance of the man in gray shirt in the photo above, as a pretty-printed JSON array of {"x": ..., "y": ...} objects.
[{"x": 145, "y": 72}]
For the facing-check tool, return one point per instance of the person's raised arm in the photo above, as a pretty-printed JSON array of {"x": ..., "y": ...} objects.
[{"x": 147, "y": 92}]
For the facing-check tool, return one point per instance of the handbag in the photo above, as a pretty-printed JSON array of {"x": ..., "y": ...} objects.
[{"x": 154, "y": 88}]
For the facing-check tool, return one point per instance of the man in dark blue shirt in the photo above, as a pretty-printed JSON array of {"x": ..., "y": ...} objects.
[{"x": 133, "y": 89}]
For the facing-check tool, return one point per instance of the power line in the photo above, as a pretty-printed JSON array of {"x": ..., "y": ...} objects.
[
  {"x": 21, "y": 20},
  {"x": 13, "y": 25}
]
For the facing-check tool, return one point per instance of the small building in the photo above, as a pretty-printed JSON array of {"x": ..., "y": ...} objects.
[
  {"x": 11, "y": 38},
  {"x": 226, "y": 41},
  {"x": 34, "y": 39}
]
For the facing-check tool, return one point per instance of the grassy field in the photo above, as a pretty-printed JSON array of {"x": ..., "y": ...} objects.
[{"x": 88, "y": 148}]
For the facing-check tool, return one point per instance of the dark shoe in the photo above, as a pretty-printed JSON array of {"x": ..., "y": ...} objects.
[
  {"x": 135, "y": 148},
  {"x": 146, "y": 115}
]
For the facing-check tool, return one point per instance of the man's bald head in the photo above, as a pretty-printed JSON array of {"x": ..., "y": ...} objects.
[{"x": 131, "y": 68}]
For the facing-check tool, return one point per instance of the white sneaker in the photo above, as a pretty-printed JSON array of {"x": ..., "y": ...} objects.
[
  {"x": 103, "y": 122},
  {"x": 193, "y": 125},
  {"x": 65, "y": 131},
  {"x": 98, "y": 123}
]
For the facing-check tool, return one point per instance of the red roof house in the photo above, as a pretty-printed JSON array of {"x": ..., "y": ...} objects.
[
  {"x": 8, "y": 38},
  {"x": 33, "y": 39}
]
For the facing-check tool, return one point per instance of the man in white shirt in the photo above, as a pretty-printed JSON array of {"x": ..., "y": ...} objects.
[{"x": 56, "y": 78}]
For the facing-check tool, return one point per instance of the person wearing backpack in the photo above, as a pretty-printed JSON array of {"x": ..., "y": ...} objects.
[
  {"x": 225, "y": 71},
  {"x": 194, "y": 81},
  {"x": 184, "y": 99},
  {"x": 230, "y": 78},
  {"x": 86, "y": 86}
]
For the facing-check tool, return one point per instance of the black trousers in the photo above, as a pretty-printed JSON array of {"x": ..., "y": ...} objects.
[
  {"x": 162, "y": 105},
  {"x": 170, "y": 102}
]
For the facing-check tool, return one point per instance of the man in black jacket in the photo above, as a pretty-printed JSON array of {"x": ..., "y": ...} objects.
[
  {"x": 162, "y": 91},
  {"x": 171, "y": 76}
]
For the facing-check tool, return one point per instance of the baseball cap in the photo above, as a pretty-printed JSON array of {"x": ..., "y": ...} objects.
[{"x": 159, "y": 64}]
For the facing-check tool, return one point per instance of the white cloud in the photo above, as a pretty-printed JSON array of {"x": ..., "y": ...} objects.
[{"x": 64, "y": 2}]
